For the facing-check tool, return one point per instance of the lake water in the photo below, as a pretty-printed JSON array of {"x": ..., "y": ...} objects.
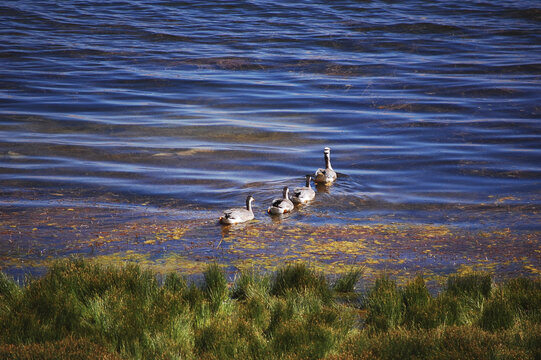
[{"x": 129, "y": 116}]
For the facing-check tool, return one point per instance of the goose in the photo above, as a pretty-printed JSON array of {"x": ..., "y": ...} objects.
[
  {"x": 328, "y": 175},
  {"x": 283, "y": 205},
  {"x": 238, "y": 215},
  {"x": 302, "y": 195}
]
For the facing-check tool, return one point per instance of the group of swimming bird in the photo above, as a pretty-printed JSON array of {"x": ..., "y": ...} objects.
[{"x": 285, "y": 204}]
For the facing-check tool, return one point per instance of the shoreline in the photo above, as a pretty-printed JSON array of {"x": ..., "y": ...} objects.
[{"x": 162, "y": 242}]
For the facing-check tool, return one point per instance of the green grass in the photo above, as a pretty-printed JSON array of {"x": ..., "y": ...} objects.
[
  {"x": 385, "y": 305},
  {"x": 347, "y": 282},
  {"x": 79, "y": 310},
  {"x": 300, "y": 279}
]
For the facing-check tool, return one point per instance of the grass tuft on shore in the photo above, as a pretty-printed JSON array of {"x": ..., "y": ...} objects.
[
  {"x": 82, "y": 310},
  {"x": 347, "y": 282}
]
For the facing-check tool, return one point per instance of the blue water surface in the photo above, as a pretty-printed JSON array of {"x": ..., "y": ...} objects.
[{"x": 431, "y": 108}]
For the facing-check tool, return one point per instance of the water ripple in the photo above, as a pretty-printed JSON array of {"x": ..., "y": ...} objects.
[{"x": 431, "y": 109}]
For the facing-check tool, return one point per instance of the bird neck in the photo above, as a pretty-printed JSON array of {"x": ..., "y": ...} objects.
[
  {"x": 328, "y": 161},
  {"x": 249, "y": 204}
]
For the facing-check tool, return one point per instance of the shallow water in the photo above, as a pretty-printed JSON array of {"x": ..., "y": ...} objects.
[{"x": 175, "y": 110}]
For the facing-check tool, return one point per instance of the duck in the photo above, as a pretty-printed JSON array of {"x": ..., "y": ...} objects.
[
  {"x": 325, "y": 176},
  {"x": 302, "y": 195},
  {"x": 238, "y": 215},
  {"x": 283, "y": 205}
]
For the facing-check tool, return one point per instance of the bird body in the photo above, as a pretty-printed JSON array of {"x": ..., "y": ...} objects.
[
  {"x": 302, "y": 195},
  {"x": 282, "y": 205},
  {"x": 328, "y": 175},
  {"x": 238, "y": 215}
]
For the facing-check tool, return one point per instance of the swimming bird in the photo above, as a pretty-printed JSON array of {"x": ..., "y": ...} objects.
[
  {"x": 328, "y": 175},
  {"x": 302, "y": 195},
  {"x": 238, "y": 215},
  {"x": 283, "y": 205}
]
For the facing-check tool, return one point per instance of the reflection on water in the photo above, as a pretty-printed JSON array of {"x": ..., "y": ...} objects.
[{"x": 183, "y": 108}]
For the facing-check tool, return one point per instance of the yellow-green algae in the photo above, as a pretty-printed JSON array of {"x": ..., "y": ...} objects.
[{"x": 164, "y": 244}]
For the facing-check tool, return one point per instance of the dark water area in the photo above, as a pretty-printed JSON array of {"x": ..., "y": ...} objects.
[{"x": 176, "y": 110}]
